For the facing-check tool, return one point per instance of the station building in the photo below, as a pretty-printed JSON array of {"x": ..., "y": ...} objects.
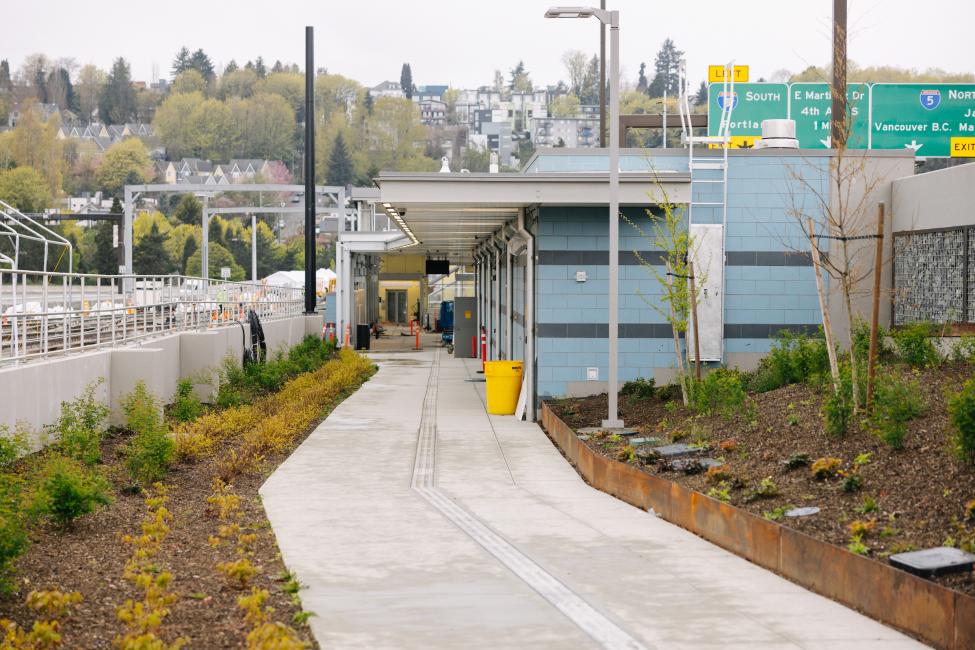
[{"x": 539, "y": 240}]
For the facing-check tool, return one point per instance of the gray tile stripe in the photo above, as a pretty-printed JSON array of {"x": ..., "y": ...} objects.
[
  {"x": 602, "y": 630},
  {"x": 629, "y": 258},
  {"x": 662, "y": 330}
]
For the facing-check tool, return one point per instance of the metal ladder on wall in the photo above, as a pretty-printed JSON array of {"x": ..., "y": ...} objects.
[{"x": 709, "y": 175}]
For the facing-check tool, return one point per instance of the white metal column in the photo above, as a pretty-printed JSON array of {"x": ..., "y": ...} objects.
[
  {"x": 496, "y": 320},
  {"x": 510, "y": 328}
]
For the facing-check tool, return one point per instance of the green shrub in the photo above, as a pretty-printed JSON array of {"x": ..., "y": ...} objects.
[
  {"x": 961, "y": 410},
  {"x": 838, "y": 406},
  {"x": 861, "y": 341},
  {"x": 13, "y": 535},
  {"x": 721, "y": 391},
  {"x": 68, "y": 490},
  {"x": 895, "y": 402},
  {"x": 150, "y": 452},
  {"x": 186, "y": 406},
  {"x": 914, "y": 346},
  {"x": 240, "y": 385},
  {"x": 793, "y": 358},
  {"x": 12, "y": 446},
  {"x": 964, "y": 348},
  {"x": 80, "y": 427},
  {"x": 639, "y": 388}
]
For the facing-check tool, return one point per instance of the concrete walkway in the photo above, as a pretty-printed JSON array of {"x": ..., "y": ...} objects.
[{"x": 418, "y": 521}]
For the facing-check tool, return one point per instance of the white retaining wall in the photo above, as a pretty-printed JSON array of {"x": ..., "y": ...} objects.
[{"x": 32, "y": 393}]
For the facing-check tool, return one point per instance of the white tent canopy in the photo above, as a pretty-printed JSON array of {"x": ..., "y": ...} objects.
[{"x": 323, "y": 278}]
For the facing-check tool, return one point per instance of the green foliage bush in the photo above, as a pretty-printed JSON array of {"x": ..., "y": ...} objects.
[
  {"x": 13, "y": 535},
  {"x": 961, "y": 410},
  {"x": 794, "y": 358},
  {"x": 68, "y": 490},
  {"x": 186, "y": 406},
  {"x": 80, "y": 427},
  {"x": 242, "y": 385},
  {"x": 914, "y": 346},
  {"x": 896, "y": 401},
  {"x": 861, "y": 341},
  {"x": 838, "y": 406},
  {"x": 150, "y": 452},
  {"x": 12, "y": 446},
  {"x": 721, "y": 391},
  {"x": 964, "y": 349},
  {"x": 639, "y": 388}
]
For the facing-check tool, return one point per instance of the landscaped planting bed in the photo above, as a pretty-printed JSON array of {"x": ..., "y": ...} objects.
[
  {"x": 890, "y": 483},
  {"x": 177, "y": 548}
]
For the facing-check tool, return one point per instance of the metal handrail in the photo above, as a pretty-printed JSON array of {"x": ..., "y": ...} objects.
[{"x": 49, "y": 313}]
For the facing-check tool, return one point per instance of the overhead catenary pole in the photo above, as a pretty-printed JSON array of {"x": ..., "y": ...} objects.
[
  {"x": 254, "y": 248},
  {"x": 310, "y": 171},
  {"x": 839, "y": 128},
  {"x": 613, "y": 420}
]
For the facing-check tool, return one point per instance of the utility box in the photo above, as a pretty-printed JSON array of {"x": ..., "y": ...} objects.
[{"x": 465, "y": 328}]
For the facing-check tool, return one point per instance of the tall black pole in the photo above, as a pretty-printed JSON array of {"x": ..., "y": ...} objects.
[
  {"x": 602, "y": 79},
  {"x": 839, "y": 126},
  {"x": 310, "y": 198}
]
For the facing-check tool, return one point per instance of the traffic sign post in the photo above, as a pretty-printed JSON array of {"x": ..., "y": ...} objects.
[
  {"x": 811, "y": 106},
  {"x": 922, "y": 117}
]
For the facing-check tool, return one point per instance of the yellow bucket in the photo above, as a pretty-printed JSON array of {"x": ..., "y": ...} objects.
[{"x": 503, "y": 386}]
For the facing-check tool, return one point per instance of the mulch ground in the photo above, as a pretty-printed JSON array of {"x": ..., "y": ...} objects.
[
  {"x": 91, "y": 558},
  {"x": 920, "y": 490}
]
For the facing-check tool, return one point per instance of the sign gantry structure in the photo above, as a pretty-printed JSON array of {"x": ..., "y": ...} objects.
[{"x": 934, "y": 120}]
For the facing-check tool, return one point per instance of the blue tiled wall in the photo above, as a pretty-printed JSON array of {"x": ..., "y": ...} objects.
[{"x": 761, "y": 192}]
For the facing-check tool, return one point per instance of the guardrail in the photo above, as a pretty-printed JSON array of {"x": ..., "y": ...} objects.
[{"x": 46, "y": 314}]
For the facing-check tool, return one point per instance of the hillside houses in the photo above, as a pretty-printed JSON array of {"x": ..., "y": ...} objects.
[
  {"x": 204, "y": 172},
  {"x": 104, "y": 136}
]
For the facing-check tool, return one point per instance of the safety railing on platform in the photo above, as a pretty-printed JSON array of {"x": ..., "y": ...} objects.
[{"x": 46, "y": 314}]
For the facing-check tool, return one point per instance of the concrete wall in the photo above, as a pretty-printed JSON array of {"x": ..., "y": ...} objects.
[
  {"x": 941, "y": 199},
  {"x": 33, "y": 392}
]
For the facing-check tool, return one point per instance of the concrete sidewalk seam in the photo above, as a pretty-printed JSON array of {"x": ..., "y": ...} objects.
[{"x": 600, "y": 628}]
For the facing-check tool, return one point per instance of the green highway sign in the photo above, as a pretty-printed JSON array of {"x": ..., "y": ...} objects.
[
  {"x": 750, "y": 104},
  {"x": 811, "y": 106},
  {"x": 922, "y": 117}
]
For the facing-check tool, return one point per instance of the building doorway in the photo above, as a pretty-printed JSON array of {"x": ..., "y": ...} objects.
[{"x": 396, "y": 307}]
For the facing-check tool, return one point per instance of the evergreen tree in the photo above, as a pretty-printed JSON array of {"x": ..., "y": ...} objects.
[
  {"x": 200, "y": 62},
  {"x": 368, "y": 103},
  {"x": 340, "y": 170},
  {"x": 116, "y": 105},
  {"x": 277, "y": 67},
  {"x": 406, "y": 80},
  {"x": 520, "y": 81},
  {"x": 188, "y": 210},
  {"x": 5, "y": 81},
  {"x": 589, "y": 91},
  {"x": 40, "y": 86},
  {"x": 189, "y": 247},
  {"x": 641, "y": 84},
  {"x": 666, "y": 70},
  {"x": 150, "y": 256},
  {"x": 182, "y": 62},
  {"x": 231, "y": 67},
  {"x": 215, "y": 231},
  {"x": 259, "y": 67},
  {"x": 106, "y": 259},
  {"x": 61, "y": 92},
  {"x": 701, "y": 97}
]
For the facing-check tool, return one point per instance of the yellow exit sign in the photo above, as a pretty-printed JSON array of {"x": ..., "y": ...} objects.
[
  {"x": 716, "y": 73},
  {"x": 739, "y": 142},
  {"x": 963, "y": 147}
]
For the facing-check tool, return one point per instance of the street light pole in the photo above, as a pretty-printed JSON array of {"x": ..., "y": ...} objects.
[{"x": 611, "y": 19}]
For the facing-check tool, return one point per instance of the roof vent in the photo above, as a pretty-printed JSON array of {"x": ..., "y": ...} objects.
[
  {"x": 444, "y": 165},
  {"x": 778, "y": 134}
]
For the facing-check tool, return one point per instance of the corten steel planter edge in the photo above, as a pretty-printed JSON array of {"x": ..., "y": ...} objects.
[{"x": 935, "y": 614}]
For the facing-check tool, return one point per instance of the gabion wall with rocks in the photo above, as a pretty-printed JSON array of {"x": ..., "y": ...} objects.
[{"x": 934, "y": 276}]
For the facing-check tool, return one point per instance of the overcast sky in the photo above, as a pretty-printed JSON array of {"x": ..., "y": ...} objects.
[{"x": 461, "y": 42}]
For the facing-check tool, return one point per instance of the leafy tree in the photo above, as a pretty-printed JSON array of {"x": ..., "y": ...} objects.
[
  {"x": 239, "y": 83},
  {"x": 5, "y": 82},
  {"x": 182, "y": 62},
  {"x": 149, "y": 257},
  {"x": 189, "y": 210},
  {"x": 575, "y": 65},
  {"x": 564, "y": 106},
  {"x": 212, "y": 130},
  {"x": 190, "y": 81},
  {"x": 90, "y": 82},
  {"x": 25, "y": 189},
  {"x": 520, "y": 81},
  {"x": 126, "y": 162},
  {"x": 340, "y": 170},
  {"x": 641, "y": 84},
  {"x": 35, "y": 143},
  {"x": 406, "y": 80},
  {"x": 219, "y": 257},
  {"x": 701, "y": 97},
  {"x": 172, "y": 125},
  {"x": 590, "y": 82},
  {"x": 477, "y": 159},
  {"x": 264, "y": 127},
  {"x": 116, "y": 105},
  {"x": 290, "y": 87},
  {"x": 666, "y": 70}
]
